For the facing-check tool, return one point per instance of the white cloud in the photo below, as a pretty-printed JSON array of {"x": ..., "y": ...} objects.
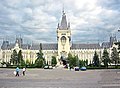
[
  {"x": 28, "y": 11},
  {"x": 88, "y": 18},
  {"x": 90, "y": 4}
]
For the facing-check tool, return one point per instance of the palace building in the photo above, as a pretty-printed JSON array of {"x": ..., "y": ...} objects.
[{"x": 61, "y": 49}]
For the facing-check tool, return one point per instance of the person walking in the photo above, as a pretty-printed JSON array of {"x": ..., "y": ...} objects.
[
  {"x": 24, "y": 71},
  {"x": 17, "y": 71}
]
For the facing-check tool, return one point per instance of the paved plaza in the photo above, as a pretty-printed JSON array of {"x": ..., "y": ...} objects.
[{"x": 60, "y": 78}]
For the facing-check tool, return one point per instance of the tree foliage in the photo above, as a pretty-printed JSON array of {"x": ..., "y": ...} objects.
[
  {"x": 105, "y": 58},
  {"x": 40, "y": 61},
  {"x": 53, "y": 61},
  {"x": 115, "y": 56},
  {"x": 14, "y": 58},
  {"x": 17, "y": 59},
  {"x": 73, "y": 60},
  {"x": 96, "y": 60},
  {"x": 83, "y": 63},
  {"x": 20, "y": 58},
  {"x": 40, "y": 55}
]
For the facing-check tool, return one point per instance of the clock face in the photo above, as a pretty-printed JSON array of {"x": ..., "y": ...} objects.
[{"x": 63, "y": 40}]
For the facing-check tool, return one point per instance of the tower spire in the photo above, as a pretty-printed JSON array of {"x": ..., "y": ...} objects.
[
  {"x": 63, "y": 10},
  {"x": 63, "y": 24}
]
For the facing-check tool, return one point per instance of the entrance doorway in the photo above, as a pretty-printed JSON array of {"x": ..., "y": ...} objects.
[{"x": 63, "y": 60}]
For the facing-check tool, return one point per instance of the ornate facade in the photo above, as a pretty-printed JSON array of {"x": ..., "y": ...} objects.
[{"x": 59, "y": 49}]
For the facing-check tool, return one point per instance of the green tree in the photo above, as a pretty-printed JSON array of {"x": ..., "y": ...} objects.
[
  {"x": 86, "y": 62},
  {"x": 96, "y": 60},
  {"x": 17, "y": 59},
  {"x": 54, "y": 61},
  {"x": 81, "y": 63},
  {"x": 72, "y": 60},
  {"x": 77, "y": 60},
  {"x": 90, "y": 63},
  {"x": 40, "y": 55},
  {"x": 20, "y": 58},
  {"x": 115, "y": 56},
  {"x": 14, "y": 58},
  {"x": 40, "y": 61},
  {"x": 105, "y": 58}
]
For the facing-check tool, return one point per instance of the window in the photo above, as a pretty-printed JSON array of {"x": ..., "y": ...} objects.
[{"x": 63, "y": 40}]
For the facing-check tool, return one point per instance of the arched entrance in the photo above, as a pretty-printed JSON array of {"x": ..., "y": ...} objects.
[
  {"x": 63, "y": 58},
  {"x": 64, "y": 62}
]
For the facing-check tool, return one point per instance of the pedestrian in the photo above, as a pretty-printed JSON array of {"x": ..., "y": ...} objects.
[
  {"x": 24, "y": 71},
  {"x": 17, "y": 71}
]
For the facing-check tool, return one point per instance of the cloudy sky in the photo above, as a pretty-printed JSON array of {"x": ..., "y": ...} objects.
[{"x": 36, "y": 20}]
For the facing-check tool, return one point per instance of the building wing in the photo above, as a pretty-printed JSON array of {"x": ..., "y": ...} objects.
[
  {"x": 85, "y": 46},
  {"x": 25, "y": 46},
  {"x": 47, "y": 46},
  {"x": 35, "y": 47},
  {"x": 11, "y": 46}
]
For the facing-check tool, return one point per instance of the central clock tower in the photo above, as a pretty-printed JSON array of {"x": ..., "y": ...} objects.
[{"x": 63, "y": 37}]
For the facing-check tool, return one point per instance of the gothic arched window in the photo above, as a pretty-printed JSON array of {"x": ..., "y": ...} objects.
[{"x": 63, "y": 40}]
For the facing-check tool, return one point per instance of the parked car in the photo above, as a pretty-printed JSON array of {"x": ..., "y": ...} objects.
[
  {"x": 46, "y": 67},
  {"x": 76, "y": 68},
  {"x": 83, "y": 68},
  {"x": 50, "y": 67}
]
